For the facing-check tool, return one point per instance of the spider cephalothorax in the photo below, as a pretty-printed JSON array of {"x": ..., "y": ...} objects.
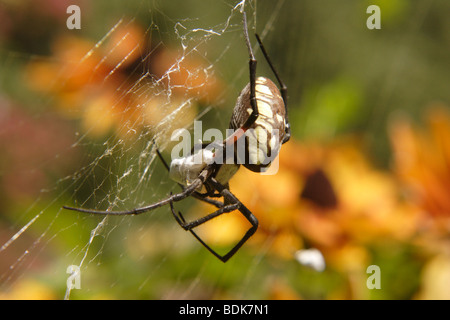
[{"x": 260, "y": 125}]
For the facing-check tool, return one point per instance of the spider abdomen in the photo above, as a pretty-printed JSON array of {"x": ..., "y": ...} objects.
[{"x": 264, "y": 137}]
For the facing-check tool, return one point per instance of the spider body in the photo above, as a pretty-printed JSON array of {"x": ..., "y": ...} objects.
[
  {"x": 261, "y": 141},
  {"x": 187, "y": 169},
  {"x": 260, "y": 124},
  {"x": 264, "y": 137}
]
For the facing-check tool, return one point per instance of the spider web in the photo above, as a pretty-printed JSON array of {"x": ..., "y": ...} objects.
[
  {"x": 148, "y": 72},
  {"x": 83, "y": 111}
]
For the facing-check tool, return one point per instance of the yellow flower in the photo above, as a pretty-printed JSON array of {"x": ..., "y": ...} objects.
[{"x": 28, "y": 289}]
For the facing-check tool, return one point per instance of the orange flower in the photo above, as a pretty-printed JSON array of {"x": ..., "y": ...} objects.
[
  {"x": 422, "y": 162},
  {"x": 116, "y": 84}
]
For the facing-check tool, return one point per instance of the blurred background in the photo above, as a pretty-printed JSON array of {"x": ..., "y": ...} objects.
[{"x": 364, "y": 178}]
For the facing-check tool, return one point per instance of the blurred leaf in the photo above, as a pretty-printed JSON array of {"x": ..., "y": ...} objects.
[{"x": 330, "y": 110}]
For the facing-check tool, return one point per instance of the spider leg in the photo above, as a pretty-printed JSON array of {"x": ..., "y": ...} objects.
[
  {"x": 235, "y": 204},
  {"x": 189, "y": 226},
  {"x": 252, "y": 66},
  {"x": 230, "y": 197},
  {"x": 163, "y": 160},
  {"x": 255, "y": 112},
  {"x": 195, "y": 223},
  {"x": 283, "y": 87},
  {"x": 188, "y": 191}
]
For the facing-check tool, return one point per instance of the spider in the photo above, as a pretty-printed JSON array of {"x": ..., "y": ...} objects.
[{"x": 260, "y": 106}]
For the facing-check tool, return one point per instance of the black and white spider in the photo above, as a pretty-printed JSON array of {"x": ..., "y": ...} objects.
[{"x": 260, "y": 106}]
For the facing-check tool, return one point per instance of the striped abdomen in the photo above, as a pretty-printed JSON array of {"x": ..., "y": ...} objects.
[{"x": 262, "y": 140}]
